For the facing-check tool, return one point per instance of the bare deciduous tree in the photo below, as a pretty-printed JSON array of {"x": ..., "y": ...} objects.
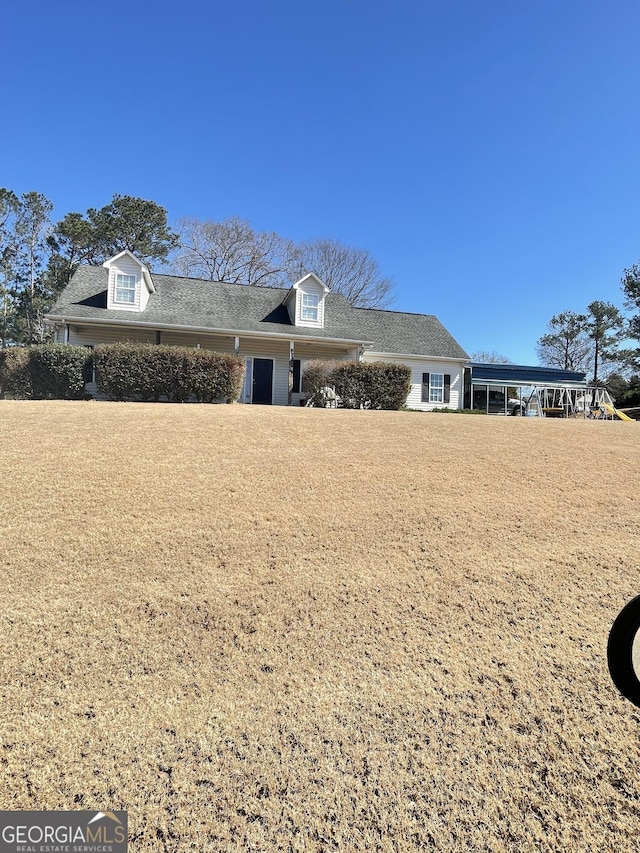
[
  {"x": 354, "y": 273},
  {"x": 490, "y": 357},
  {"x": 231, "y": 251}
]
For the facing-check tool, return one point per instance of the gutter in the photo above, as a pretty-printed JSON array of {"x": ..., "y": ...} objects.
[
  {"x": 406, "y": 355},
  {"x": 50, "y": 318}
]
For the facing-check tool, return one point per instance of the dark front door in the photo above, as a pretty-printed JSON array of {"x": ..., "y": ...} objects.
[{"x": 262, "y": 381}]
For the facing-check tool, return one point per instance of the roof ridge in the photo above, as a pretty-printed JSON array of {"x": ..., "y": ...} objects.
[
  {"x": 393, "y": 311},
  {"x": 218, "y": 281}
]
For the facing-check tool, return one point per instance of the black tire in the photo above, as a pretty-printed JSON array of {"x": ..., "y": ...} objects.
[{"x": 620, "y": 651}]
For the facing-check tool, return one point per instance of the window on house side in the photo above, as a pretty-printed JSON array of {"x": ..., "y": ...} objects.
[
  {"x": 436, "y": 387},
  {"x": 125, "y": 288},
  {"x": 310, "y": 302}
]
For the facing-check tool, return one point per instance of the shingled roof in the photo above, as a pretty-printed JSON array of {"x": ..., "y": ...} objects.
[{"x": 219, "y": 306}]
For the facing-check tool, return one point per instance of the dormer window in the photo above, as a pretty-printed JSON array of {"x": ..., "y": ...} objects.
[
  {"x": 130, "y": 283},
  {"x": 125, "y": 288},
  {"x": 306, "y": 301},
  {"x": 310, "y": 302}
]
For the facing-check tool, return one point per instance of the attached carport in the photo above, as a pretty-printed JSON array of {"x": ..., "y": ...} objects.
[{"x": 491, "y": 387}]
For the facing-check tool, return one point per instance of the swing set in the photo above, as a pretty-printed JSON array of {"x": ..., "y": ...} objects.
[{"x": 564, "y": 402}]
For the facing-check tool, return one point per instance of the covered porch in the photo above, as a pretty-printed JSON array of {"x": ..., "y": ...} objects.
[{"x": 274, "y": 364}]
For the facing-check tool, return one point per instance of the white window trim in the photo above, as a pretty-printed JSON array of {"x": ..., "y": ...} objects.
[
  {"x": 436, "y": 391},
  {"x": 309, "y": 307},
  {"x": 273, "y": 374},
  {"x": 124, "y": 288}
]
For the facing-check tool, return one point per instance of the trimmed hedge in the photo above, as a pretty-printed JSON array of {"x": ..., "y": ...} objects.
[
  {"x": 358, "y": 385},
  {"x": 14, "y": 372},
  {"x": 317, "y": 378},
  {"x": 44, "y": 372},
  {"x": 130, "y": 371}
]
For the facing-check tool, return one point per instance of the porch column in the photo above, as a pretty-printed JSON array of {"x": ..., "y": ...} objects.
[
  {"x": 66, "y": 333},
  {"x": 236, "y": 345},
  {"x": 291, "y": 360}
]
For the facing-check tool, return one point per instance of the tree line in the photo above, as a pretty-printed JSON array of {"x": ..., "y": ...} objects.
[
  {"x": 38, "y": 256},
  {"x": 601, "y": 341}
]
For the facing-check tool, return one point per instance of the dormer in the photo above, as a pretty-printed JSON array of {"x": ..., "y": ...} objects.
[
  {"x": 129, "y": 283},
  {"x": 305, "y": 301}
]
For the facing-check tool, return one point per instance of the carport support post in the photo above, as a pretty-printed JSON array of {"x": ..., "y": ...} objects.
[{"x": 291, "y": 357}]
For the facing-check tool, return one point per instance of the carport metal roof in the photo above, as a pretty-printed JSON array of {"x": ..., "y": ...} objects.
[{"x": 520, "y": 375}]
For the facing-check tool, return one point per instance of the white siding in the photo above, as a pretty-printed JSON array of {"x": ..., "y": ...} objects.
[
  {"x": 127, "y": 266},
  {"x": 311, "y": 350},
  {"x": 291, "y": 302},
  {"x": 312, "y": 287},
  {"x": 420, "y": 366},
  {"x": 92, "y": 335},
  {"x": 110, "y": 334},
  {"x": 216, "y": 343}
]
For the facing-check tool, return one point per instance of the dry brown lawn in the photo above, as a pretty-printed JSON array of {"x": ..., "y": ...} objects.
[{"x": 265, "y": 629}]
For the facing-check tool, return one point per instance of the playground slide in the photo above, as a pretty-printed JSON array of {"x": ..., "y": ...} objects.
[{"x": 614, "y": 411}]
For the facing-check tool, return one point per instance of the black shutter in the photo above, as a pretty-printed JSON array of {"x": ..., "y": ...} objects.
[
  {"x": 467, "y": 388},
  {"x": 425, "y": 387},
  {"x": 296, "y": 376},
  {"x": 447, "y": 387}
]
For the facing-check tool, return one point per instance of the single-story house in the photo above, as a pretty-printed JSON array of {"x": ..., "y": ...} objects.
[{"x": 275, "y": 330}]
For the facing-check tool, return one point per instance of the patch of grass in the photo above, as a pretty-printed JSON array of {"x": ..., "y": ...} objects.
[{"x": 308, "y": 630}]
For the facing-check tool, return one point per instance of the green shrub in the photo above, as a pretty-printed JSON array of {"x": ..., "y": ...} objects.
[
  {"x": 44, "y": 372},
  {"x": 130, "y": 371},
  {"x": 120, "y": 371},
  {"x": 214, "y": 376},
  {"x": 390, "y": 385},
  {"x": 359, "y": 385},
  {"x": 58, "y": 371},
  {"x": 351, "y": 380},
  {"x": 14, "y": 372}
]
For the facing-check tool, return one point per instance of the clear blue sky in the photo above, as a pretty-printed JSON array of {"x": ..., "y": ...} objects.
[{"x": 486, "y": 153}]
